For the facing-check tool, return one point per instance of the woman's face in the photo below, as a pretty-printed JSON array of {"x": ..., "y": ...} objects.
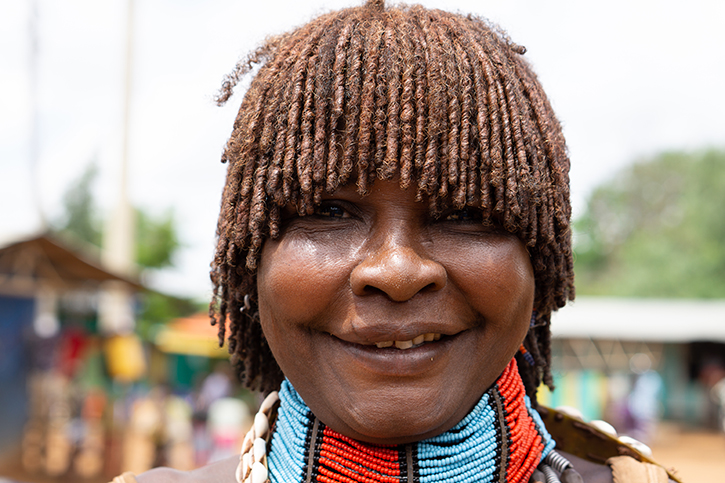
[{"x": 390, "y": 323}]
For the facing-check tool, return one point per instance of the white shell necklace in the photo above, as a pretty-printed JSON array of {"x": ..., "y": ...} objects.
[{"x": 252, "y": 466}]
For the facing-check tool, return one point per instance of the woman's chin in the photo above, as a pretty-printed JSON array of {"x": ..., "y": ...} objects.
[{"x": 393, "y": 423}]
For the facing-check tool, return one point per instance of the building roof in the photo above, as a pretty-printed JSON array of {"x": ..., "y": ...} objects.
[
  {"x": 663, "y": 320},
  {"x": 44, "y": 260}
]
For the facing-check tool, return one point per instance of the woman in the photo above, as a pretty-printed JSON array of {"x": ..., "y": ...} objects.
[{"x": 393, "y": 238}]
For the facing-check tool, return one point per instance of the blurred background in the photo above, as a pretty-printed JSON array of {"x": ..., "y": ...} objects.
[{"x": 110, "y": 182}]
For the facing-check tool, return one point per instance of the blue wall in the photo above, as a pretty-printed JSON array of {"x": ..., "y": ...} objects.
[{"x": 16, "y": 319}]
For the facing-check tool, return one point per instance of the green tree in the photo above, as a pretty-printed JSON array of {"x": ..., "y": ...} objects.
[
  {"x": 79, "y": 218},
  {"x": 156, "y": 236},
  {"x": 656, "y": 230},
  {"x": 156, "y": 239}
]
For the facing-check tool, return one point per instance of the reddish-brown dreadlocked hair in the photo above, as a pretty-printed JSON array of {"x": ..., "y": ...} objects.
[{"x": 445, "y": 103}]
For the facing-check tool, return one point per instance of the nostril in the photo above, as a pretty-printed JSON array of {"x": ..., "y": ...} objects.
[
  {"x": 398, "y": 274},
  {"x": 431, "y": 287},
  {"x": 372, "y": 290}
]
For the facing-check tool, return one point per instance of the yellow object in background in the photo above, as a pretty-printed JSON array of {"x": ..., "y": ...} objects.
[
  {"x": 125, "y": 358},
  {"x": 192, "y": 335}
]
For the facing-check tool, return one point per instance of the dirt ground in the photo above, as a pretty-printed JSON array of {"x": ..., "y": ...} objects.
[
  {"x": 11, "y": 471},
  {"x": 697, "y": 457}
]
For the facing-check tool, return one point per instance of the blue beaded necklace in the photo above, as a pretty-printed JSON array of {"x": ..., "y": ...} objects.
[{"x": 495, "y": 442}]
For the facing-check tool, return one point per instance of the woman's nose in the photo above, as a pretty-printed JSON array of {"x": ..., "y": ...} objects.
[{"x": 399, "y": 272}]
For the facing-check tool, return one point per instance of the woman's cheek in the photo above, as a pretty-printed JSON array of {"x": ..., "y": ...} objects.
[{"x": 298, "y": 278}]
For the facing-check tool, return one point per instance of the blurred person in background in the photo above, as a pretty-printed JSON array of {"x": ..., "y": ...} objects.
[{"x": 644, "y": 401}]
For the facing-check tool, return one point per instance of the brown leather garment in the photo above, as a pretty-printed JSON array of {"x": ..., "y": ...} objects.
[{"x": 585, "y": 445}]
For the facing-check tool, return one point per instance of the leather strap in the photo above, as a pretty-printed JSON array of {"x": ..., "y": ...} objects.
[
  {"x": 311, "y": 453},
  {"x": 626, "y": 469},
  {"x": 409, "y": 462},
  {"x": 504, "y": 436}
]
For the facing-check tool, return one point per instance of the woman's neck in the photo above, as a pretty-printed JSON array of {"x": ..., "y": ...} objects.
[{"x": 501, "y": 439}]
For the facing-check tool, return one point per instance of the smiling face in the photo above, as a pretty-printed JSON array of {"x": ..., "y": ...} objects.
[{"x": 390, "y": 323}]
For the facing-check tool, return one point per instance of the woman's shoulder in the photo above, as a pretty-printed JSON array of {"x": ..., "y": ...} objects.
[
  {"x": 599, "y": 455},
  {"x": 220, "y": 472}
]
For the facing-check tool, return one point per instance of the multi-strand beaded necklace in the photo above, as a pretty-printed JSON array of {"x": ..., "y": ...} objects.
[{"x": 501, "y": 440}]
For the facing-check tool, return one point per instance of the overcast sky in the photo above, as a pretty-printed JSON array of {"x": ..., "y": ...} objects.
[{"x": 627, "y": 78}]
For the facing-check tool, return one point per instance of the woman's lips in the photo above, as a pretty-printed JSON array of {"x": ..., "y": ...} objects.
[
  {"x": 399, "y": 332},
  {"x": 401, "y": 358}
]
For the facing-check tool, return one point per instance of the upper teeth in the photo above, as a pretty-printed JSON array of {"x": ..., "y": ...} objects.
[{"x": 407, "y": 344}]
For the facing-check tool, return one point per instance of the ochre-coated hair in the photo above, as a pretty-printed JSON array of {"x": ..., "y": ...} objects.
[{"x": 442, "y": 102}]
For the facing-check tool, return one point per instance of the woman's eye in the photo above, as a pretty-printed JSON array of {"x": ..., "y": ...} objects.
[
  {"x": 331, "y": 211},
  {"x": 465, "y": 214}
]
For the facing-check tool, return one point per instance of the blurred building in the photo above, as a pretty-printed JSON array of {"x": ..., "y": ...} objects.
[
  {"x": 80, "y": 401},
  {"x": 49, "y": 296},
  {"x": 608, "y": 352}
]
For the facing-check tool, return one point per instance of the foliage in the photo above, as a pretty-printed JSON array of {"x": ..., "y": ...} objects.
[
  {"x": 156, "y": 237},
  {"x": 656, "y": 230},
  {"x": 156, "y": 240},
  {"x": 79, "y": 218}
]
